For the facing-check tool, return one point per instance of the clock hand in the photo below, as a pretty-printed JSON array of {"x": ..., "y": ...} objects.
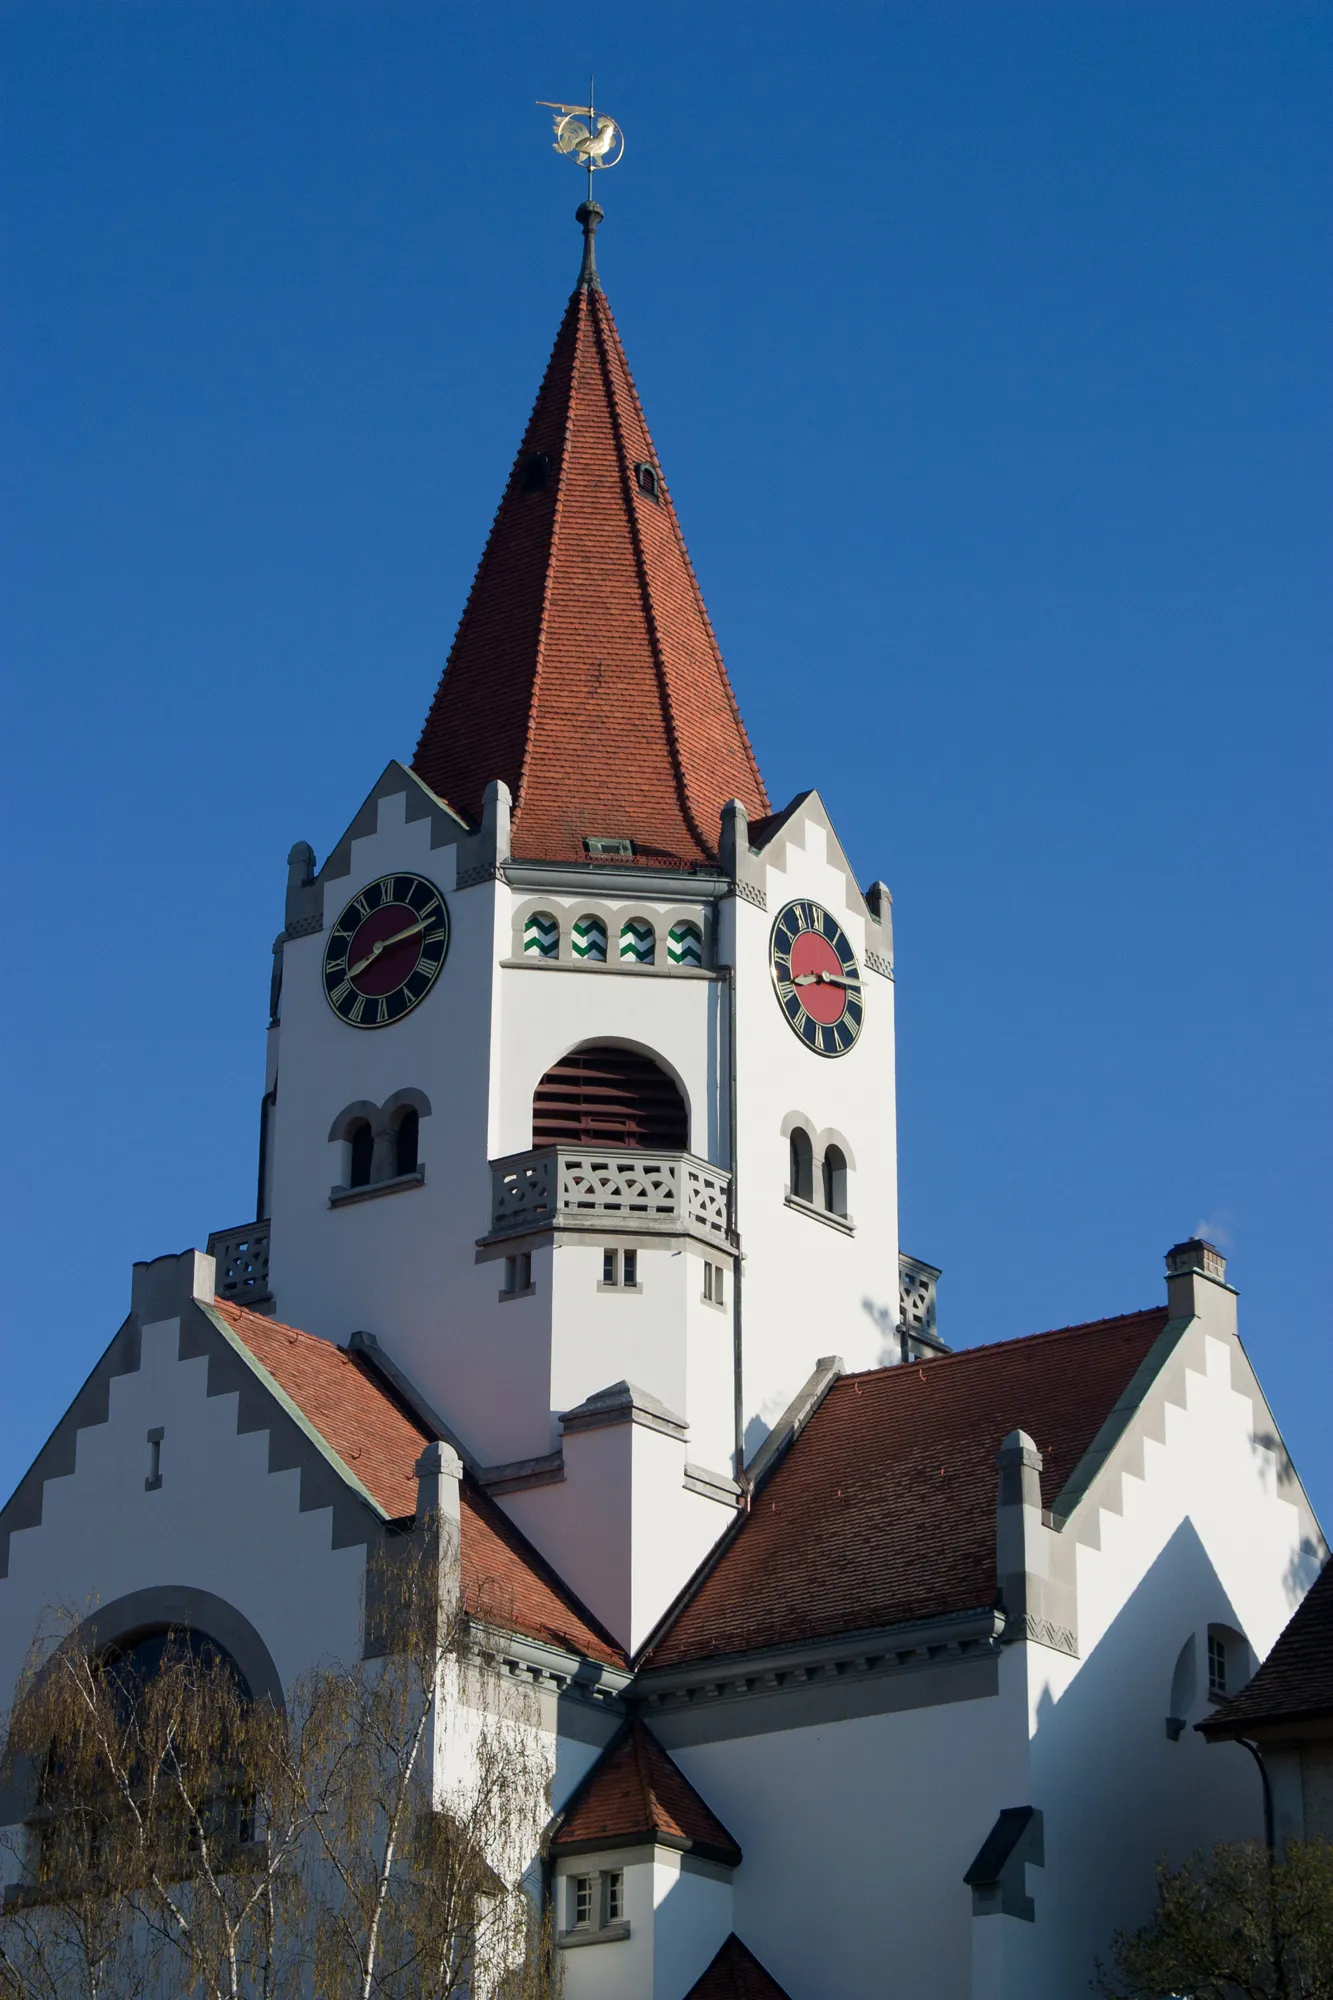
[
  {"x": 821, "y": 979},
  {"x": 383, "y": 945}
]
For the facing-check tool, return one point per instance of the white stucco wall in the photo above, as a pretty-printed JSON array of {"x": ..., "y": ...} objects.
[{"x": 220, "y": 1522}]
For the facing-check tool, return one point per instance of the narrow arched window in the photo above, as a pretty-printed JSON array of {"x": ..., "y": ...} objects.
[
  {"x": 835, "y": 1180},
  {"x": 361, "y": 1154},
  {"x": 685, "y": 945},
  {"x": 589, "y": 940},
  {"x": 802, "y": 1166},
  {"x": 638, "y": 941},
  {"x": 541, "y": 935},
  {"x": 645, "y": 478},
  {"x": 406, "y": 1136}
]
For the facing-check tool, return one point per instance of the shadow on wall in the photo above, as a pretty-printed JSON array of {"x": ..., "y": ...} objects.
[{"x": 1118, "y": 1791}]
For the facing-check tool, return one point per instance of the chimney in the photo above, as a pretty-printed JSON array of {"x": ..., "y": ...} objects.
[{"x": 1197, "y": 1288}]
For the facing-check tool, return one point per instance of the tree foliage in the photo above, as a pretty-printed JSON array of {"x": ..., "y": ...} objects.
[
  {"x": 369, "y": 1841},
  {"x": 1234, "y": 1925}
]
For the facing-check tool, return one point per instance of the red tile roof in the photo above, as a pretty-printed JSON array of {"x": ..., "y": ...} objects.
[
  {"x": 585, "y": 672},
  {"x": 1296, "y": 1680},
  {"x": 883, "y": 1508},
  {"x": 634, "y": 1793},
  {"x": 736, "y": 1974},
  {"x": 379, "y": 1443}
]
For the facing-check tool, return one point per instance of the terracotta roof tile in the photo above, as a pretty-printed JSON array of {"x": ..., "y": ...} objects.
[
  {"x": 1297, "y": 1677},
  {"x": 736, "y": 1974},
  {"x": 585, "y": 672},
  {"x": 380, "y": 1443},
  {"x": 883, "y": 1508},
  {"x": 634, "y": 1793}
]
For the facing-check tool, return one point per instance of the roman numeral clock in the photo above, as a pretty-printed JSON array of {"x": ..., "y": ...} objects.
[
  {"x": 816, "y": 978},
  {"x": 385, "y": 951}
]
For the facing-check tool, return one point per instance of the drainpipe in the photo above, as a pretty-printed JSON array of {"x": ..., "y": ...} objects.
[
  {"x": 735, "y": 839},
  {"x": 1270, "y": 1841}
]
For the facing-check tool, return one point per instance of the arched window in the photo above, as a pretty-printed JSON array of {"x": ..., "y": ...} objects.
[
  {"x": 589, "y": 940},
  {"x": 802, "y": 1166},
  {"x": 835, "y": 1180},
  {"x": 604, "y": 1096},
  {"x": 645, "y": 478},
  {"x": 406, "y": 1138},
  {"x": 638, "y": 941},
  {"x": 541, "y": 935},
  {"x": 685, "y": 945},
  {"x": 1230, "y": 1661},
  {"x": 361, "y": 1154}
]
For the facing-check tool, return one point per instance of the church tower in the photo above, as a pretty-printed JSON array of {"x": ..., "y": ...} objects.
[{"x": 580, "y": 1108}]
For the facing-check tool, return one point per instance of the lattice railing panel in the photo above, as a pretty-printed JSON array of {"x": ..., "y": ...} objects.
[{"x": 578, "y": 1185}]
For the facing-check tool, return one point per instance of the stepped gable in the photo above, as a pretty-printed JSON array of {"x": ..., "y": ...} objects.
[
  {"x": 585, "y": 672},
  {"x": 1295, "y": 1682},
  {"x": 635, "y": 1794},
  {"x": 379, "y": 1443},
  {"x": 736, "y": 1974},
  {"x": 882, "y": 1510}
]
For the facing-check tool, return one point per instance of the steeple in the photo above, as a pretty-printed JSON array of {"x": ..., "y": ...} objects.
[{"x": 585, "y": 673}]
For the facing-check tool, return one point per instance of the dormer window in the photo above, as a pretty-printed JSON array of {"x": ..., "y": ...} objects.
[
  {"x": 645, "y": 478},
  {"x": 535, "y": 472},
  {"x": 608, "y": 847}
]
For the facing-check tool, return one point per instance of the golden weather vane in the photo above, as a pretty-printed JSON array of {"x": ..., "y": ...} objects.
[{"x": 598, "y": 142}]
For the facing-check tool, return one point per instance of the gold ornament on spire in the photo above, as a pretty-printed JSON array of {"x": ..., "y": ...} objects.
[{"x": 584, "y": 135}]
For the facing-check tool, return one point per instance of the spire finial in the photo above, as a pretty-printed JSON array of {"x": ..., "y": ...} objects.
[
  {"x": 589, "y": 213},
  {"x": 597, "y": 144}
]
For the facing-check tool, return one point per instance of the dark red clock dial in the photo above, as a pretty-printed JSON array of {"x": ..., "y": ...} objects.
[
  {"x": 380, "y": 957},
  {"x": 385, "y": 951}
]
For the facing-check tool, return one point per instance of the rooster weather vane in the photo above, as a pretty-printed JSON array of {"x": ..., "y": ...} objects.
[{"x": 590, "y": 139}]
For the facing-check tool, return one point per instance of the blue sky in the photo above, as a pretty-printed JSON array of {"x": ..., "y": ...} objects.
[{"x": 986, "y": 350}]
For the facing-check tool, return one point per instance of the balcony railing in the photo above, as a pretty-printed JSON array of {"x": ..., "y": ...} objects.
[
  {"x": 242, "y": 1259},
  {"x": 574, "y": 1187}
]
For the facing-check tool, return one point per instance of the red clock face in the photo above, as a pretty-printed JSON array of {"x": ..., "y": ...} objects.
[
  {"x": 816, "y": 978},
  {"x": 385, "y": 951}
]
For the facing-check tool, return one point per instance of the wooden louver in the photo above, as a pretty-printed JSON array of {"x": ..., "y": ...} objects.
[{"x": 604, "y": 1096}]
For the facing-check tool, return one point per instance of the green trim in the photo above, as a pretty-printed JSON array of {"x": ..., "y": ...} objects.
[
  {"x": 293, "y": 1410},
  {"x": 1118, "y": 1422}
]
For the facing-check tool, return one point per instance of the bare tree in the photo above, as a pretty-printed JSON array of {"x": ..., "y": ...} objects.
[
  {"x": 375, "y": 1838},
  {"x": 1236, "y": 1924}
]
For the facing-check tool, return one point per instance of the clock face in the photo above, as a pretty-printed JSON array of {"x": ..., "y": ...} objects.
[
  {"x": 385, "y": 951},
  {"x": 816, "y": 978}
]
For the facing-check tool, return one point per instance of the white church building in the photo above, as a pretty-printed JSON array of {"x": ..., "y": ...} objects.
[{"x": 869, "y": 1667}]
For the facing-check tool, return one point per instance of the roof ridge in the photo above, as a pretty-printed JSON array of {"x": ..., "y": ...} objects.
[
  {"x": 706, "y": 841},
  {"x": 578, "y": 305},
  {"x": 984, "y": 1347}
]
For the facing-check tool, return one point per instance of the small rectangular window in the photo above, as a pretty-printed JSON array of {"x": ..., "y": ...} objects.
[
  {"x": 631, "y": 1267},
  {"x": 610, "y": 1276},
  {"x": 518, "y": 1273},
  {"x": 1217, "y": 1664},
  {"x": 708, "y": 1281},
  {"x": 615, "y": 1896},
  {"x": 583, "y": 1902}
]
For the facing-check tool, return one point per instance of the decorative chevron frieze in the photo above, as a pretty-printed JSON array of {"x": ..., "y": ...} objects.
[
  {"x": 589, "y": 939},
  {"x": 638, "y": 941},
  {"x": 685, "y": 945},
  {"x": 541, "y": 936}
]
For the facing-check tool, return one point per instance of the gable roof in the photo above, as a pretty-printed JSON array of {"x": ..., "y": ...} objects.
[
  {"x": 882, "y": 1510},
  {"x": 379, "y": 1443},
  {"x": 585, "y": 672},
  {"x": 1295, "y": 1682},
  {"x": 634, "y": 1794},
  {"x": 736, "y": 1974}
]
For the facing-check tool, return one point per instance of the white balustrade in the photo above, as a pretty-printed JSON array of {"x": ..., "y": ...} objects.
[{"x": 578, "y": 1187}]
